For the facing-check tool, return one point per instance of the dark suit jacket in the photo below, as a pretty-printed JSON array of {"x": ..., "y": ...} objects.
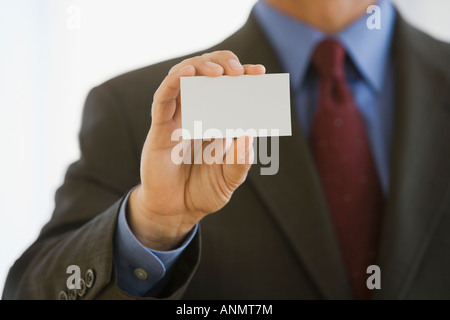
[{"x": 274, "y": 240}]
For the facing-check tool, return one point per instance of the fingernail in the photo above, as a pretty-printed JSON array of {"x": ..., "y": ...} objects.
[
  {"x": 212, "y": 65},
  {"x": 235, "y": 65}
]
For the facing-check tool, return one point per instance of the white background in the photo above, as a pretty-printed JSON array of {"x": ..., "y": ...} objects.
[{"x": 53, "y": 51}]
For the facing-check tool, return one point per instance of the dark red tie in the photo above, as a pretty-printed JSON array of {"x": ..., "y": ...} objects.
[{"x": 344, "y": 161}]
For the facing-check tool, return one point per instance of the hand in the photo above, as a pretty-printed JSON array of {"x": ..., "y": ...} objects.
[{"x": 172, "y": 198}]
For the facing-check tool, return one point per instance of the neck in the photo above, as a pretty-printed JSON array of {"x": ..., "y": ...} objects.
[{"x": 329, "y": 16}]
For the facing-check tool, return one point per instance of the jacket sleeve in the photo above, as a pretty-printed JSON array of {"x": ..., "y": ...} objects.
[{"x": 81, "y": 230}]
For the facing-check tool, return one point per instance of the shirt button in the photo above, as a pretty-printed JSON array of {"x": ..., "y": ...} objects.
[{"x": 140, "y": 273}]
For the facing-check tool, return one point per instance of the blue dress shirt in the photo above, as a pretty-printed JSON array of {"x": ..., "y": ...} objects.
[
  {"x": 130, "y": 254},
  {"x": 370, "y": 76}
]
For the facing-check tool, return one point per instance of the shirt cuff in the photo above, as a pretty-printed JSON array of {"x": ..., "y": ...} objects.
[{"x": 140, "y": 269}]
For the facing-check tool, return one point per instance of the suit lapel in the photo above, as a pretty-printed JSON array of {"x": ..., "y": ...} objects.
[
  {"x": 419, "y": 183},
  {"x": 293, "y": 195},
  {"x": 420, "y": 164}
]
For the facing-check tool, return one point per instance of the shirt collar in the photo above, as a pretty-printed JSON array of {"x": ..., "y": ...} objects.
[{"x": 294, "y": 42}]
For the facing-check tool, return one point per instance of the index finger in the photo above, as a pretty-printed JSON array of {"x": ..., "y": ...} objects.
[{"x": 164, "y": 99}]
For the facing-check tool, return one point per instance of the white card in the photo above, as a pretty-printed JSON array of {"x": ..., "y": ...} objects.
[{"x": 229, "y": 106}]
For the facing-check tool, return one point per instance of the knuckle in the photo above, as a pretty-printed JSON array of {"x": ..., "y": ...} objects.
[
  {"x": 230, "y": 55},
  {"x": 219, "y": 56},
  {"x": 224, "y": 54},
  {"x": 227, "y": 53},
  {"x": 193, "y": 60},
  {"x": 207, "y": 56},
  {"x": 156, "y": 95},
  {"x": 171, "y": 70}
]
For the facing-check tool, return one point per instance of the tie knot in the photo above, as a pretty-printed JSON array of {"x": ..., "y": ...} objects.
[{"x": 328, "y": 59}]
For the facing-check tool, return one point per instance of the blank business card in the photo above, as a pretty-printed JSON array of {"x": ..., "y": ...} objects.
[{"x": 228, "y": 106}]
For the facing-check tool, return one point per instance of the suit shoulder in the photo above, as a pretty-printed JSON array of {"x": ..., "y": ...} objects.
[
  {"x": 142, "y": 80},
  {"x": 431, "y": 50}
]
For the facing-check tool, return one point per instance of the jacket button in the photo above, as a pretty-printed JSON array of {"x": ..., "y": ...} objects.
[
  {"x": 140, "y": 274},
  {"x": 63, "y": 295},
  {"x": 82, "y": 290},
  {"x": 72, "y": 293},
  {"x": 89, "y": 278}
]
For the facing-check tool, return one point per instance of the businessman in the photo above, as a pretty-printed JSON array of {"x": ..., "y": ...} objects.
[{"x": 363, "y": 181}]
